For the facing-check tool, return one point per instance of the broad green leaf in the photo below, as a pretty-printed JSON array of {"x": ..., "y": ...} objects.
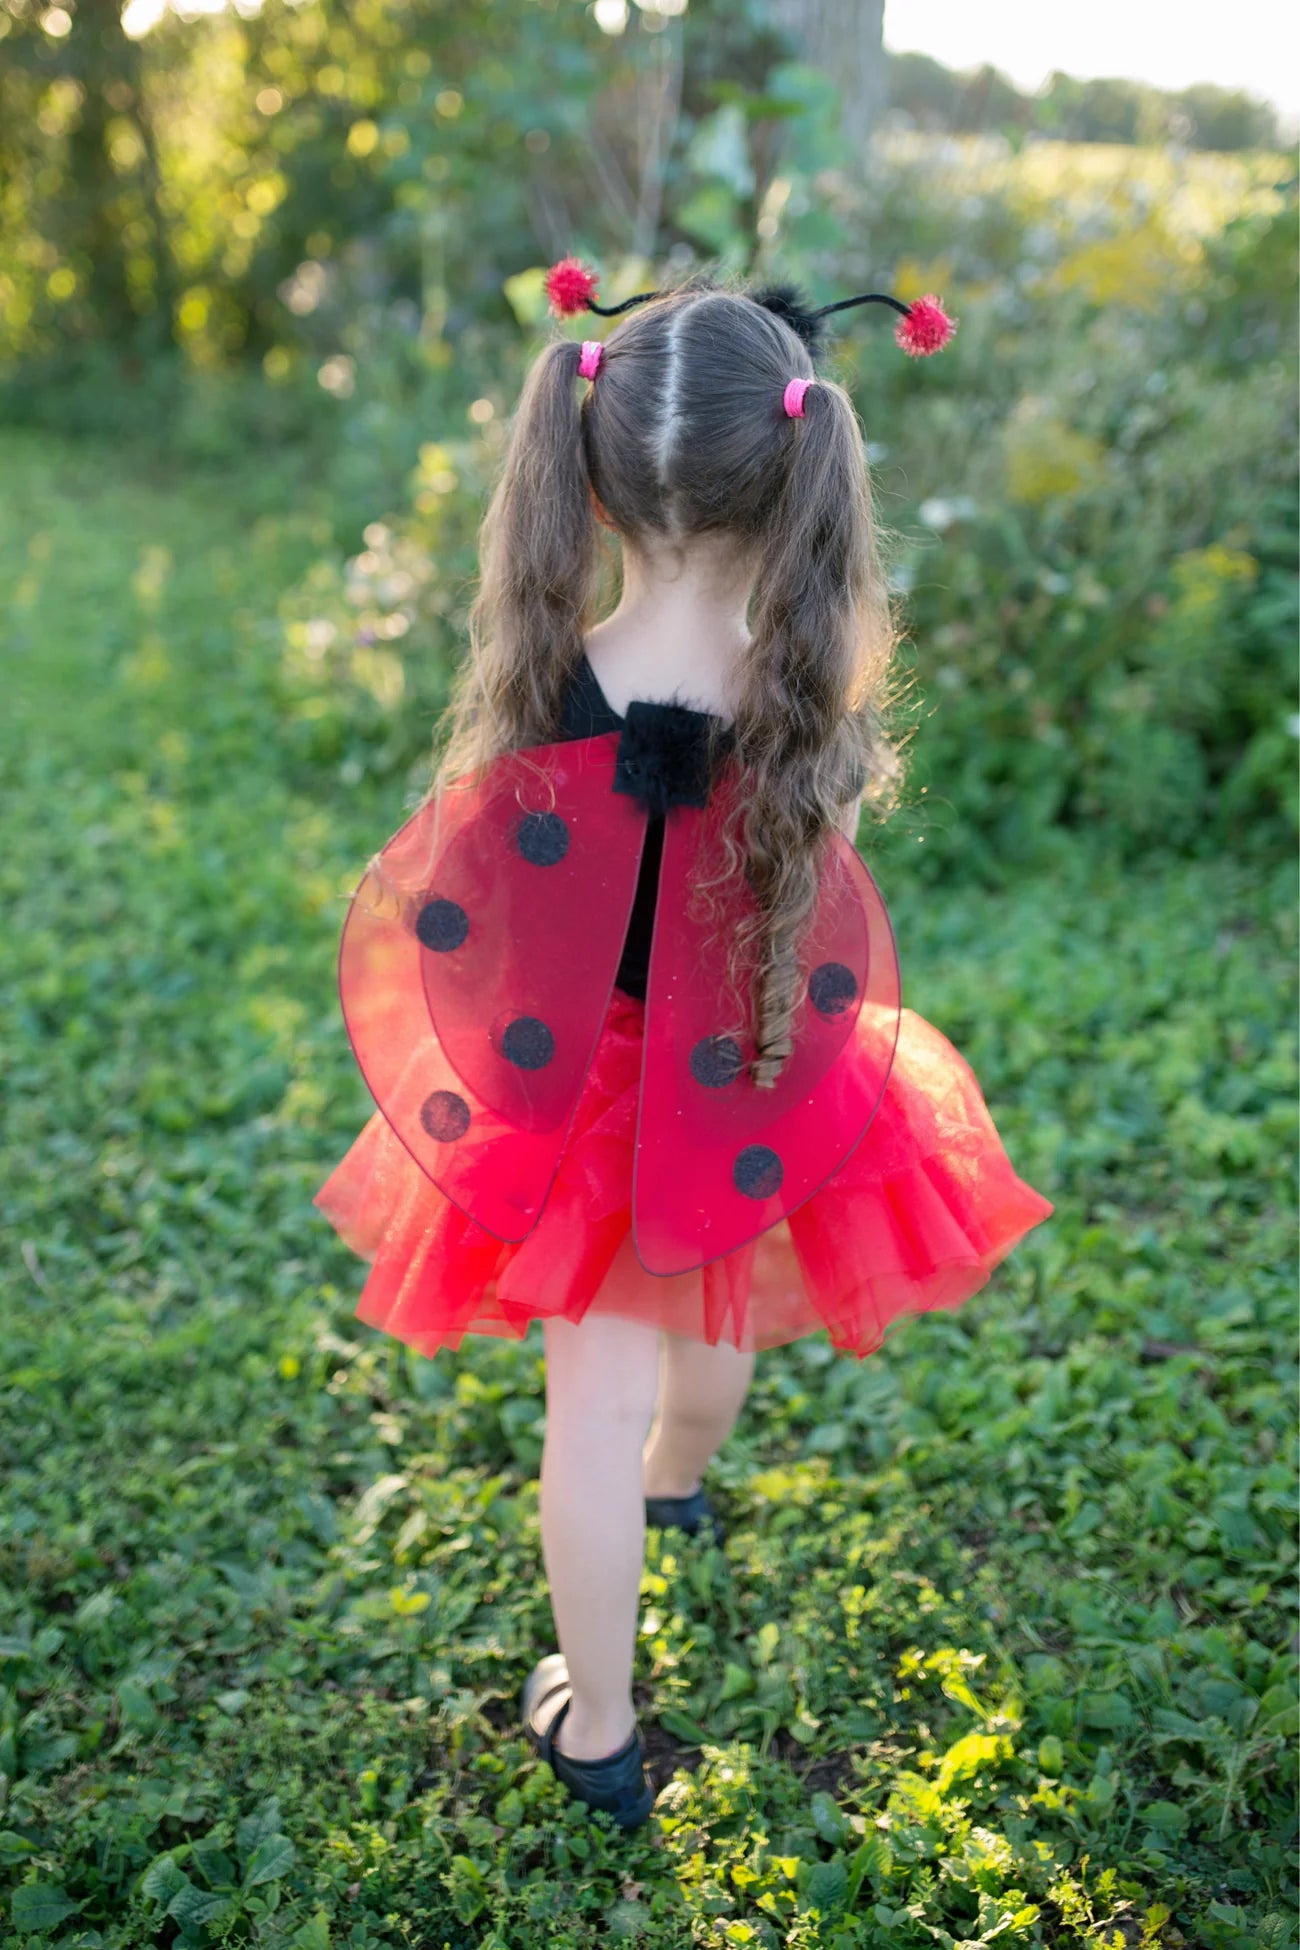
[
  {"x": 828, "y": 1818},
  {"x": 258, "y": 1827},
  {"x": 163, "y": 1878},
  {"x": 40, "y": 1906},
  {"x": 736, "y": 1681},
  {"x": 273, "y": 1857}
]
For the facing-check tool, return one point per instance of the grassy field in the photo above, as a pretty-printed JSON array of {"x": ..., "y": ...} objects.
[{"x": 999, "y": 1647}]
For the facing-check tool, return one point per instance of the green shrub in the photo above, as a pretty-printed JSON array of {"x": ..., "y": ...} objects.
[{"x": 1090, "y": 495}]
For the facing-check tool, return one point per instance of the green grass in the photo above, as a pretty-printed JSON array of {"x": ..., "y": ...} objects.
[{"x": 998, "y": 1649}]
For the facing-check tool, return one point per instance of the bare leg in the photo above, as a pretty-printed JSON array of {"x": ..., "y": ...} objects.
[
  {"x": 702, "y": 1393},
  {"x": 601, "y": 1378}
]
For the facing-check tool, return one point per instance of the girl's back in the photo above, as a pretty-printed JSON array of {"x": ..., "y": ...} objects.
[
  {"x": 741, "y": 692},
  {"x": 625, "y": 995}
]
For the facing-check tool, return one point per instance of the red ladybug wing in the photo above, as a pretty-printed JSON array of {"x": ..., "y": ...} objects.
[
  {"x": 718, "y": 1160},
  {"x": 476, "y": 965}
]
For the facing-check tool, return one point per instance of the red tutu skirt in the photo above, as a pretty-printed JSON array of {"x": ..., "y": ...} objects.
[{"x": 917, "y": 1218}]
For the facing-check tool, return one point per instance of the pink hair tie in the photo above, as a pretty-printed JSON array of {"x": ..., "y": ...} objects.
[
  {"x": 593, "y": 351},
  {"x": 794, "y": 395}
]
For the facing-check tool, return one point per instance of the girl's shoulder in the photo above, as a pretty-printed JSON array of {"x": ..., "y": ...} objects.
[
  {"x": 668, "y": 753},
  {"x": 586, "y": 711}
]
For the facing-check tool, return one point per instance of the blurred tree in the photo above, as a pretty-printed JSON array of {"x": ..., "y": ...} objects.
[
  {"x": 988, "y": 100},
  {"x": 341, "y": 174},
  {"x": 1094, "y": 111},
  {"x": 845, "y": 38},
  {"x": 633, "y": 123},
  {"x": 923, "y": 90},
  {"x": 77, "y": 137},
  {"x": 1224, "y": 118},
  {"x": 934, "y": 98}
]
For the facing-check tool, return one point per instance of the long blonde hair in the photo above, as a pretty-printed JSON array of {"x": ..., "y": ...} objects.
[{"x": 684, "y": 433}]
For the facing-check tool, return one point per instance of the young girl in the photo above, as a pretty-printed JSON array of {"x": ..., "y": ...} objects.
[{"x": 622, "y": 989}]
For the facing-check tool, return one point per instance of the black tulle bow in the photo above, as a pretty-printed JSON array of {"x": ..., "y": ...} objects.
[{"x": 663, "y": 756}]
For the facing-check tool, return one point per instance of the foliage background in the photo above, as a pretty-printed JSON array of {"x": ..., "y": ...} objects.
[{"x": 999, "y": 1649}]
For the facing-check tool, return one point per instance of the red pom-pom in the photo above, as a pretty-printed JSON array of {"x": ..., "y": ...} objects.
[
  {"x": 926, "y": 329},
  {"x": 569, "y": 284}
]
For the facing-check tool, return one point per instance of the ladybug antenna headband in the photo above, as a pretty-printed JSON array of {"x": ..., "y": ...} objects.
[{"x": 923, "y": 326}]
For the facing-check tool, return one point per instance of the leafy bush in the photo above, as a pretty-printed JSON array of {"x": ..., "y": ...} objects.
[
  {"x": 1091, "y": 495},
  {"x": 309, "y": 233}
]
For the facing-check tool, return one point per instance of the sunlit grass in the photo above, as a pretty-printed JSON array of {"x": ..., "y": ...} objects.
[{"x": 999, "y": 1644}]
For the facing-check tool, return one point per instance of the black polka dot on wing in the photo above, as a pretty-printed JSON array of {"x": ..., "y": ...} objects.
[
  {"x": 445, "y": 1116},
  {"x": 716, "y": 1061},
  {"x": 757, "y": 1172},
  {"x": 832, "y": 988},
  {"x": 527, "y": 1043},
  {"x": 442, "y": 925},
  {"x": 542, "y": 838}
]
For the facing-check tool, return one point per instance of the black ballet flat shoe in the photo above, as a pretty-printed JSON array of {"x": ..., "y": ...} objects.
[
  {"x": 688, "y": 1513},
  {"x": 616, "y": 1783}
]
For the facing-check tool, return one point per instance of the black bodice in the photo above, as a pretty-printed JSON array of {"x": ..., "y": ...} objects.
[{"x": 662, "y": 761}]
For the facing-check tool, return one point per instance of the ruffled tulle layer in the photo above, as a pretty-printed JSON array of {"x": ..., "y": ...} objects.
[{"x": 924, "y": 1209}]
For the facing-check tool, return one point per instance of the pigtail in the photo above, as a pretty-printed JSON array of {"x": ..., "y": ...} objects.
[
  {"x": 537, "y": 558},
  {"x": 809, "y": 728}
]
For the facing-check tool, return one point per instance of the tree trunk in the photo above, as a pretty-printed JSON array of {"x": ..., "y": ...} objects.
[
  {"x": 845, "y": 39},
  {"x": 103, "y": 203}
]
